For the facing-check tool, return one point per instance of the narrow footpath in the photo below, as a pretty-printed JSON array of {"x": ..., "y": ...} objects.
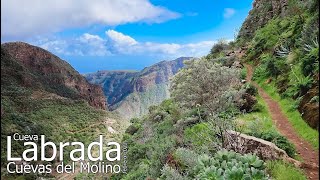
[{"x": 309, "y": 156}]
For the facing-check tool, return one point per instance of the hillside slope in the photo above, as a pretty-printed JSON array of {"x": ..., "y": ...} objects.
[
  {"x": 262, "y": 11},
  {"x": 282, "y": 42},
  {"x": 43, "y": 95},
  {"x": 182, "y": 137},
  {"x": 45, "y": 71}
]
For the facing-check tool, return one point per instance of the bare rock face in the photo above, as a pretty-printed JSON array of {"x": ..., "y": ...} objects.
[
  {"x": 158, "y": 73},
  {"x": 131, "y": 93},
  {"x": 116, "y": 84},
  {"x": 260, "y": 14},
  {"x": 244, "y": 144},
  {"x": 309, "y": 108},
  {"x": 43, "y": 70}
]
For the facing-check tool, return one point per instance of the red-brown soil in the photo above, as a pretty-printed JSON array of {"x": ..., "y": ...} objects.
[{"x": 309, "y": 155}]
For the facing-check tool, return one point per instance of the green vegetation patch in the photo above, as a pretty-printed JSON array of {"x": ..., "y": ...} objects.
[{"x": 280, "y": 170}]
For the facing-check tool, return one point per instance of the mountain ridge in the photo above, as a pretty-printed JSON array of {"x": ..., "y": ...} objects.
[
  {"x": 52, "y": 74},
  {"x": 124, "y": 90}
]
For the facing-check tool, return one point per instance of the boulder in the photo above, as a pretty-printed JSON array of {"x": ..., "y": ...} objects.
[
  {"x": 182, "y": 123},
  {"x": 132, "y": 129},
  {"x": 245, "y": 144}
]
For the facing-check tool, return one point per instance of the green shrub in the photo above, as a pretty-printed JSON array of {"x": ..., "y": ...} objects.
[
  {"x": 197, "y": 112},
  {"x": 250, "y": 89},
  {"x": 201, "y": 136},
  {"x": 218, "y": 49},
  {"x": 260, "y": 72},
  {"x": 188, "y": 158},
  {"x": 279, "y": 140},
  {"x": 135, "y": 120},
  {"x": 193, "y": 86},
  {"x": 165, "y": 127},
  {"x": 299, "y": 84},
  {"x": 168, "y": 172},
  {"x": 310, "y": 62},
  {"x": 139, "y": 173},
  {"x": 257, "y": 108},
  {"x": 266, "y": 38},
  {"x": 133, "y": 128},
  {"x": 274, "y": 66},
  {"x": 136, "y": 152},
  {"x": 282, "y": 171},
  {"x": 243, "y": 73},
  {"x": 167, "y": 109},
  {"x": 158, "y": 152}
]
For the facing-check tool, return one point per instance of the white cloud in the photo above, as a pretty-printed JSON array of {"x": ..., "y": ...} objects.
[
  {"x": 93, "y": 45},
  {"x": 23, "y": 19},
  {"x": 87, "y": 38},
  {"x": 85, "y": 45},
  {"x": 117, "y": 43},
  {"x": 120, "y": 38},
  {"x": 57, "y": 46},
  {"x": 228, "y": 12}
]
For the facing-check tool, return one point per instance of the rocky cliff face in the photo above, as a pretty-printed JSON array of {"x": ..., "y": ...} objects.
[
  {"x": 116, "y": 84},
  {"x": 45, "y": 71},
  {"x": 309, "y": 107},
  {"x": 261, "y": 12},
  {"x": 131, "y": 93}
]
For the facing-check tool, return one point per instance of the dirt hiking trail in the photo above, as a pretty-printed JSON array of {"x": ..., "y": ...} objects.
[{"x": 309, "y": 156}]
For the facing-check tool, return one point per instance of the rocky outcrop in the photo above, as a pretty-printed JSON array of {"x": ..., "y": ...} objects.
[
  {"x": 130, "y": 93},
  {"x": 309, "y": 107},
  {"x": 116, "y": 84},
  {"x": 245, "y": 144},
  {"x": 45, "y": 71},
  {"x": 261, "y": 12},
  {"x": 158, "y": 73},
  {"x": 137, "y": 104},
  {"x": 265, "y": 150}
]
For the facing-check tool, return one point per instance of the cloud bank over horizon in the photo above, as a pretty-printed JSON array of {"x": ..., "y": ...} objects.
[
  {"x": 117, "y": 43},
  {"x": 121, "y": 34}
]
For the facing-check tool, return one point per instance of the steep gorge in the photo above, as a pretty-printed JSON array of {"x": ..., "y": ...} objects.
[{"x": 131, "y": 93}]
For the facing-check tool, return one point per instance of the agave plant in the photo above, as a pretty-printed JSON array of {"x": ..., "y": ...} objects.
[
  {"x": 283, "y": 51},
  {"x": 310, "y": 47},
  {"x": 229, "y": 165}
]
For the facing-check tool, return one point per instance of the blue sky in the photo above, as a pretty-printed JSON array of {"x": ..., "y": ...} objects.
[{"x": 108, "y": 35}]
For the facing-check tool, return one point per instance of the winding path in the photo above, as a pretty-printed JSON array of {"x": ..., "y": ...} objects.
[{"x": 309, "y": 156}]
